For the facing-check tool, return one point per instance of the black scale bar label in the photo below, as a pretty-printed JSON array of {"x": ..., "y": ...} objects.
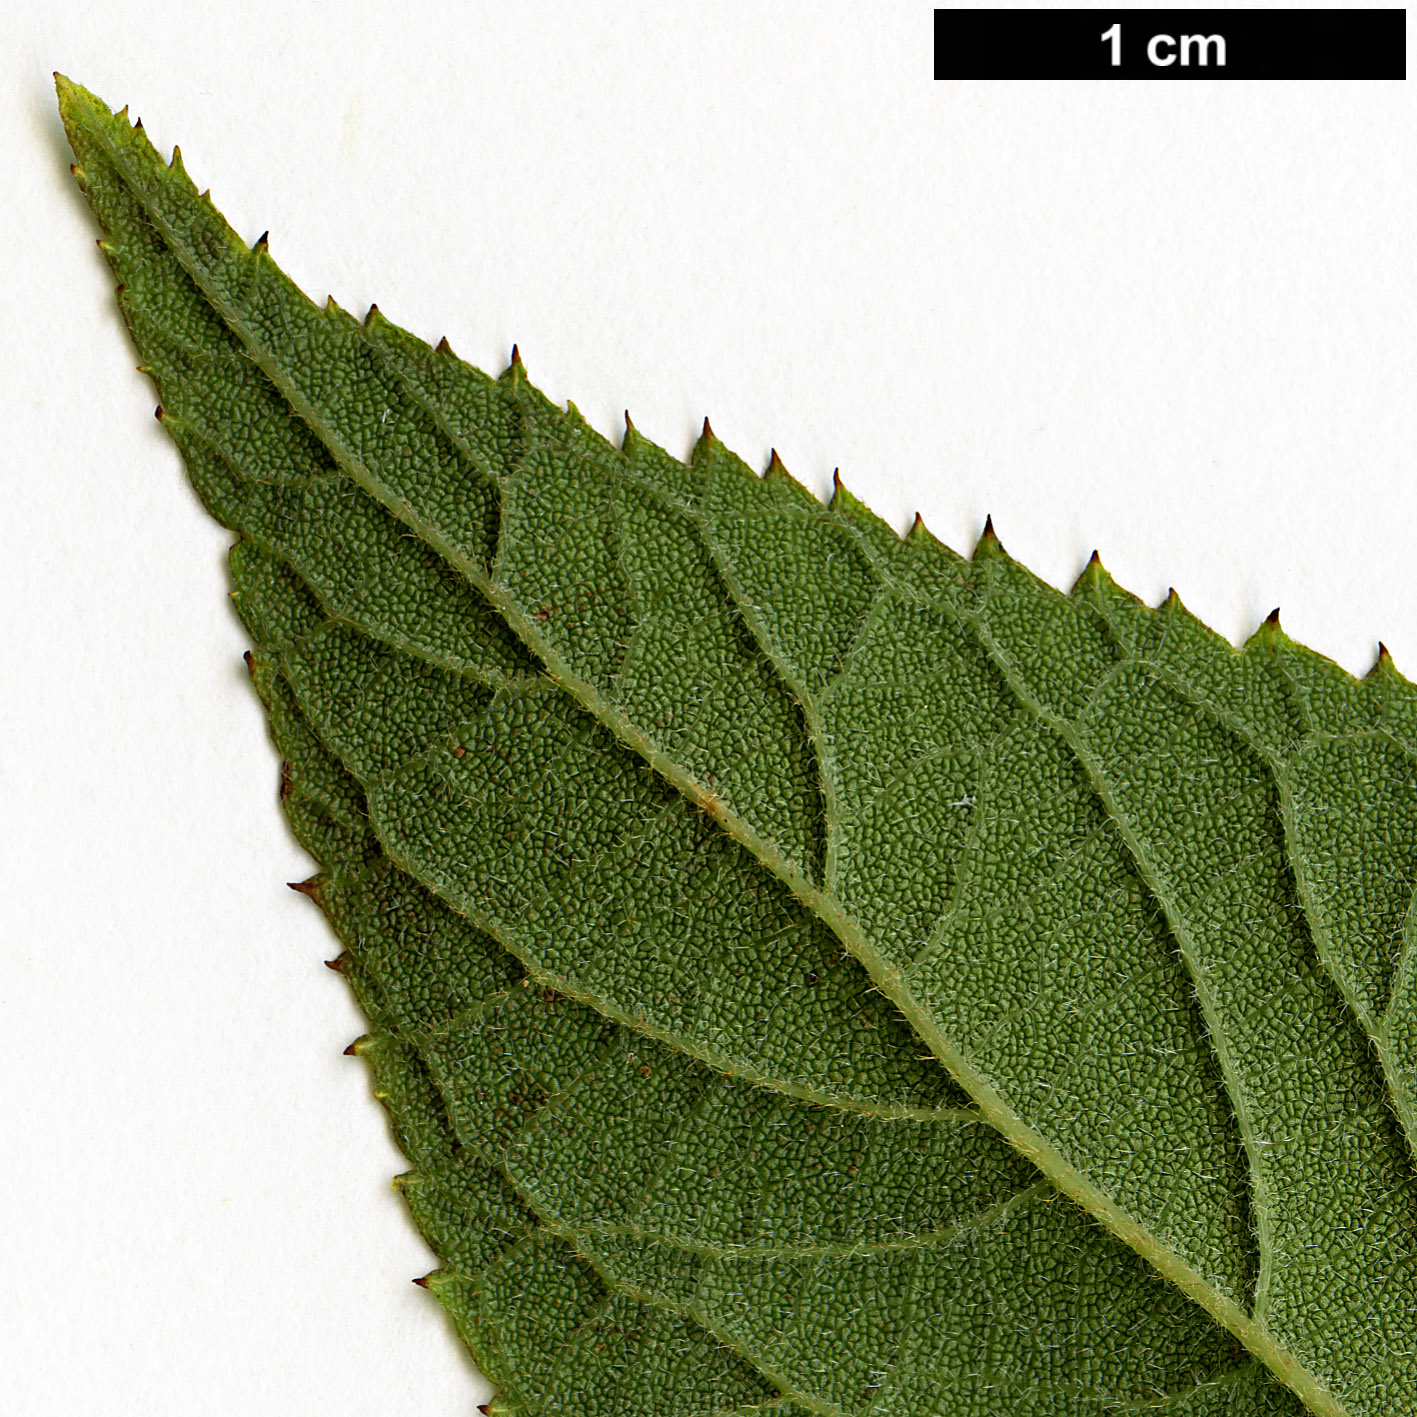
[{"x": 1170, "y": 44}]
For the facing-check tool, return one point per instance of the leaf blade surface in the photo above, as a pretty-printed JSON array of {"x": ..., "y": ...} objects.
[{"x": 794, "y": 629}]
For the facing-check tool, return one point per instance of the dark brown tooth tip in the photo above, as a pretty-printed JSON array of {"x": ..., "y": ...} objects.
[
  {"x": 1095, "y": 559},
  {"x": 707, "y": 434},
  {"x": 1273, "y": 618},
  {"x": 443, "y": 346},
  {"x": 352, "y": 1051},
  {"x": 988, "y": 534},
  {"x": 1383, "y": 651},
  {"x": 422, "y": 1280}
]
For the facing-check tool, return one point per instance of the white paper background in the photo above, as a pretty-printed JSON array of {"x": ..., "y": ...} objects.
[{"x": 1174, "y": 322}]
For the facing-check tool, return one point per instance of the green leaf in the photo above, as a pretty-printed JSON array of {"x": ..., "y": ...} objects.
[
  {"x": 672, "y": 735},
  {"x": 707, "y": 1197}
]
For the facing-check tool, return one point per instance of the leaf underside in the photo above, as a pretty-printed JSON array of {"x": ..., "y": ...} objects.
[{"x": 807, "y": 970}]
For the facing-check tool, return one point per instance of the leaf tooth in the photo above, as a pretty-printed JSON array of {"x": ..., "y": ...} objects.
[
  {"x": 1093, "y": 576},
  {"x": 1383, "y": 664},
  {"x": 340, "y": 963},
  {"x": 261, "y": 244},
  {"x": 310, "y": 887},
  {"x": 515, "y": 372},
  {"x": 1267, "y": 635},
  {"x": 989, "y": 545},
  {"x": 442, "y": 347},
  {"x": 356, "y": 1049}
]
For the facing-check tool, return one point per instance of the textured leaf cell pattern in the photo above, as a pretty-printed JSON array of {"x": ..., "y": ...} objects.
[{"x": 807, "y": 971}]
